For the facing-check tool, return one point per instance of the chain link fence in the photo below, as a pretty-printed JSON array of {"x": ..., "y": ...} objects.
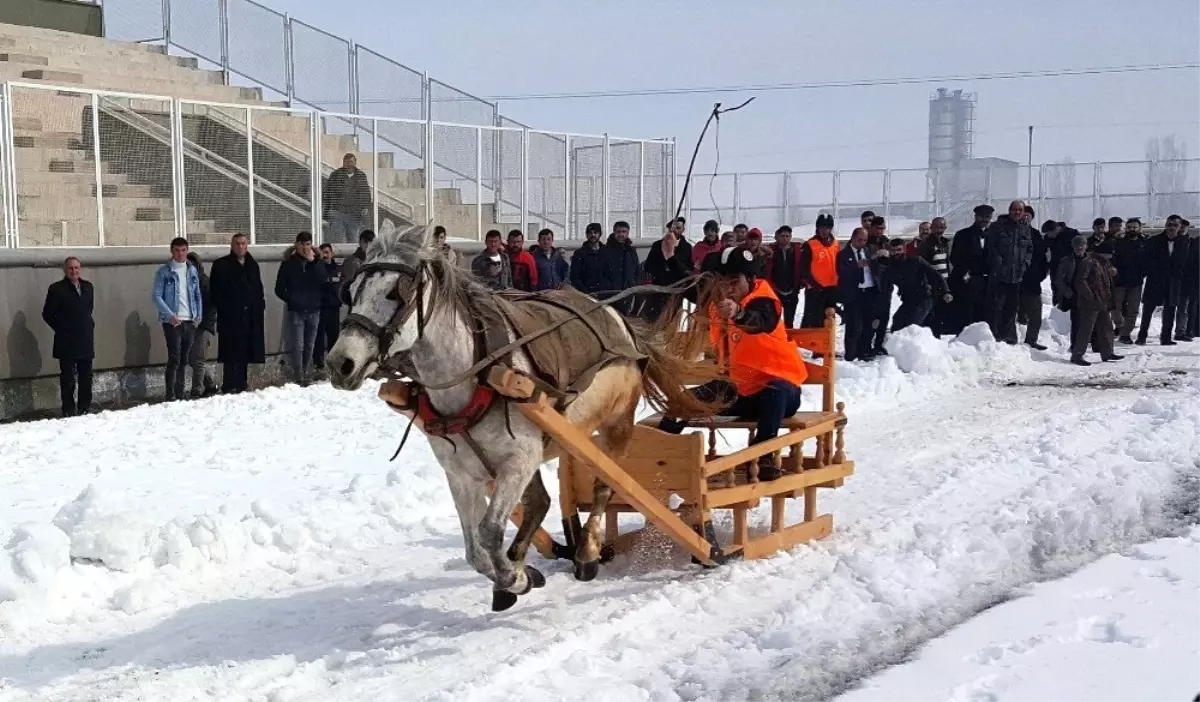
[
  {"x": 1074, "y": 193},
  {"x": 99, "y": 168}
]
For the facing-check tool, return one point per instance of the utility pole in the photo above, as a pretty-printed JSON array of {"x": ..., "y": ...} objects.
[{"x": 1029, "y": 179}]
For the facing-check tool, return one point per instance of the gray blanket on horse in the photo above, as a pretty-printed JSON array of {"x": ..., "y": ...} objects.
[{"x": 569, "y": 356}]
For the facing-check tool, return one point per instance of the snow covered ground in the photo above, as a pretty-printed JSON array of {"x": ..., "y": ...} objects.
[{"x": 261, "y": 547}]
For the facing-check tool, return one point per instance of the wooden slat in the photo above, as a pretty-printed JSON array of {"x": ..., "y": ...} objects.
[
  {"x": 787, "y": 484},
  {"x": 751, "y": 453},
  {"x": 800, "y": 420},
  {"x": 582, "y": 447},
  {"x": 815, "y": 340},
  {"x": 817, "y": 374},
  {"x": 768, "y": 544},
  {"x": 741, "y": 531}
]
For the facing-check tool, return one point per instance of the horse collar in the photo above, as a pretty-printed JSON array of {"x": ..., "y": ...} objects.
[{"x": 441, "y": 426}]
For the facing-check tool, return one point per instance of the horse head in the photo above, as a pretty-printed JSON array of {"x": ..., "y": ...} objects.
[{"x": 390, "y": 302}]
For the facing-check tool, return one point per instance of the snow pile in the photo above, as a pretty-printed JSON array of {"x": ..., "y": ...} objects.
[{"x": 920, "y": 365}]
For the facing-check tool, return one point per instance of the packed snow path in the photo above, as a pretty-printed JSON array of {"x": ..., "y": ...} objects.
[{"x": 261, "y": 547}]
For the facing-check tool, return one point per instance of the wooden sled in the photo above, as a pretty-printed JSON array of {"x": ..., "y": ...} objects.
[{"x": 698, "y": 475}]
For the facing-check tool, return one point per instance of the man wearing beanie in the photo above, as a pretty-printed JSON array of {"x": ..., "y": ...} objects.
[
  {"x": 765, "y": 368},
  {"x": 819, "y": 273}
]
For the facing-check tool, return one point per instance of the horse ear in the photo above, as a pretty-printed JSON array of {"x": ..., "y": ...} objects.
[
  {"x": 417, "y": 236},
  {"x": 387, "y": 227}
]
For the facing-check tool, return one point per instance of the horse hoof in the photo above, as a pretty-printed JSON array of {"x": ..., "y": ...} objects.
[
  {"x": 502, "y": 600},
  {"x": 534, "y": 577},
  {"x": 586, "y": 572}
]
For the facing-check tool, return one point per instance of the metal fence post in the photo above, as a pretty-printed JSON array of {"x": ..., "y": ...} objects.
[
  {"x": 352, "y": 83},
  {"x": 525, "y": 180},
  {"x": 641, "y": 188},
  {"x": 1150, "y": 190},
  {"x": 737, "y": 198},
  {"x": 1097, "y": 201},
  {"x": 179, "y": 199},
  {"x": 887, "y": 193},
  {"x": 987, "y": 191},
  {"x": 289, "y": 71},
  {"x": 787, "y": 198},
  {"x": 1041, "y": 187},
  {"x": 568, "y": 213},
  {"x": 479, "y": 183},
  {"x": 223, "y": 31},
  {"x": 250, "y": 171},
  {"x": 672, "y": 176},
  {"x": 604, "y": 166},
  {"x": 837, "y": 193},
  {"x": 427, "y": 115},
  {"x": 99, "y": 169},
  {"x": 8, "y": 167},
  {"x": 375, "y": 174},
  {"x": 314, "y": 148}
]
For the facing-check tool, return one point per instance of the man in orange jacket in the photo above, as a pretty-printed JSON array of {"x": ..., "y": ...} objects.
[{"x": 765, "y": 368}]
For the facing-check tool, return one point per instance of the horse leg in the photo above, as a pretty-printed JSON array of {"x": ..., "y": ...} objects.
[
  {"x": 511, "y": 478},
  {"x": 615, "y": 439},
  {"x": 535, "y": 502},
  {"x": 470, "y": 501}
]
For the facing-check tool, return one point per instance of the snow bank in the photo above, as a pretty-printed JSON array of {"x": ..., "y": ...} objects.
[{"x": 920, "y": 366}]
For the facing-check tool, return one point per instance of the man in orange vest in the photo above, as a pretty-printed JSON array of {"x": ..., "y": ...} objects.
[
  {"x": 818, "y": 273},
  {"x": 765, "y": 368}
]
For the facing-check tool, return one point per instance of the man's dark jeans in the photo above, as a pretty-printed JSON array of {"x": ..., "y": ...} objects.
[
  {"x": 68, "y": 371},
  {"x": 304, "y": 336},
  {"x": 179, "y": 348},
  {"x": 1004, "y": 298},
  {"x": 769, "y": 406},
  {"x": 327, "y": 334},
  {"x": 912, "y": 312},
  {"x": 859, "y": 313}
]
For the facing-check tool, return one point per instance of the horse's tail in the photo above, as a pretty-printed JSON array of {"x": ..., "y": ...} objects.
[{"x": 676, "y": 346}]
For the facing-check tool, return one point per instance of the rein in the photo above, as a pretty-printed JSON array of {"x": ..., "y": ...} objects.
[{"x": 517, "y": 344}]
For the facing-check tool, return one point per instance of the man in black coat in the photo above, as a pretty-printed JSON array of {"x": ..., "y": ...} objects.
[
  {"x": 668, "y": 262},
  {"x": 916, "y": 281},
  {"x": 236, "y": 289},
  {"x": 969, "y": 270},
  {"x": 587, "y": 263},
  {"x": 1009, "y": 252},
  {"x": 1029, "y": 297},
  {"x": 1189, "y": 310},
  {"x": 621, "y": 266},
  {"x": 68, "y": 311},
  {"x": 346, "y": 201},
  {"x": 1166, "y": 256},
  {"x": 330, "y": 321},
  {"x": 301, "y": 284},
  {"x": 1129, "y": 258}
]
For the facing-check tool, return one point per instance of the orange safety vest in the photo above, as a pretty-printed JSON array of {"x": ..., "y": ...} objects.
[
  {"x": 756, "y": 359},
  {"x": 824, "y": 262}
]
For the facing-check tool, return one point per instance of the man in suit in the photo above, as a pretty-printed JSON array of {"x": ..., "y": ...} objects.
[
  {"x": 1166, "y": 258},
  {"x": 969, "y": 270},
  {"x": 860, "y": 294},
  {"x": 68, "y": 311}
]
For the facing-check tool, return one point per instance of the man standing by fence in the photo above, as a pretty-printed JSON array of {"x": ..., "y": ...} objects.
[
  {"x": 346, "y": 201},
  {"x": 180, "y": 306},
  {"x": 236, "y": 290},
  {"x": 331, "y": 308},
  {"x": 301, "y": 285},
  {"x": 68, "y": 311},
  {"x": 203, "y": 384},
  {"x": 1009, "y": 253}
]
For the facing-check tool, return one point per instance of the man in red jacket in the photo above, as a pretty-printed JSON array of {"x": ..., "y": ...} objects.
[
  {"x": 710, "y": 244},
  {"x": 524, "y": 268}
]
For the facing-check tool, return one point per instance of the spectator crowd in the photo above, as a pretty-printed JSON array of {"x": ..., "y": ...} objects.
[{"x": 1111, "y": 281}]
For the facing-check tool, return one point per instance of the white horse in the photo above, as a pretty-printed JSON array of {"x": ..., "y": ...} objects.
[{"x": 408, "y": 304}]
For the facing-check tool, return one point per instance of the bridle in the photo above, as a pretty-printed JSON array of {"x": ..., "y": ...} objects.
[{"x": 404, "y": 308}]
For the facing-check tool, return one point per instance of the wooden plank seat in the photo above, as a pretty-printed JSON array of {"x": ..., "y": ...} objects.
[{"x": 694, "y": 477}]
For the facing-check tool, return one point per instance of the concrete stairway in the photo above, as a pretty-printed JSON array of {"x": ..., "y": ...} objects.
[{"x": 56, "y": 182}]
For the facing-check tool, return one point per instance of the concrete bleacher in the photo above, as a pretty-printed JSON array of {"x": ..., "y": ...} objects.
[{"x": 56, "y": 182}]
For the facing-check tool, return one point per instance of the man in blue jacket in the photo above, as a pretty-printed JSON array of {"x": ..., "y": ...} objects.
[
  {"x": 180, "y": 306},
  {"x": 552, "y": 267}
]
